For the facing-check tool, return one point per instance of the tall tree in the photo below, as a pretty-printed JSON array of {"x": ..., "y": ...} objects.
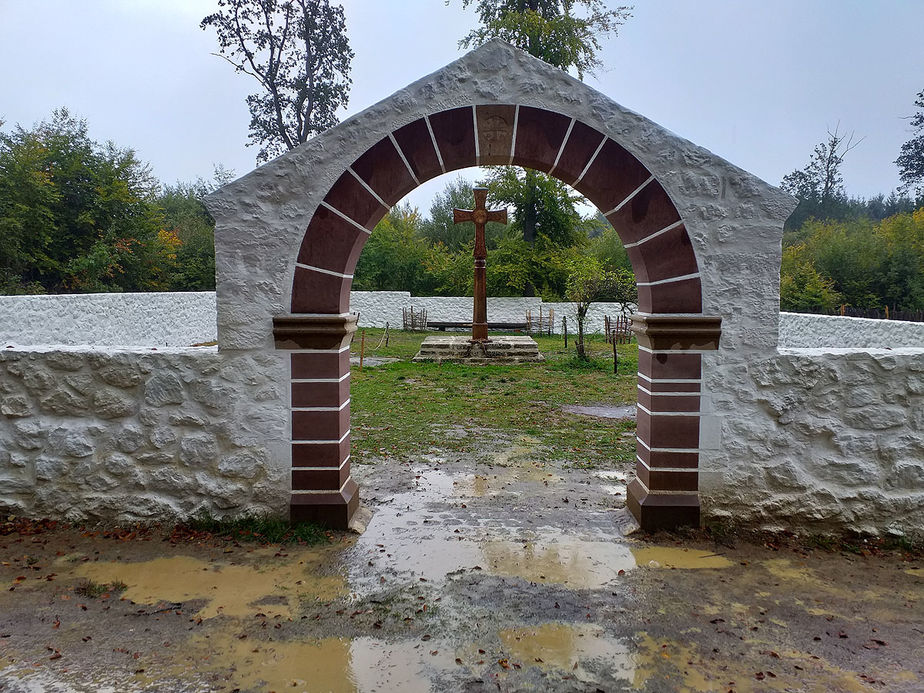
[
  {"x": 299, "y": 53},
  {"x": 550, "y": 30},
  {"x": 563, "y": 33},
  {"x": 911, "y": 160},
  {"x": 820, "y": 185},
  {"x": 544, "y": 206}
]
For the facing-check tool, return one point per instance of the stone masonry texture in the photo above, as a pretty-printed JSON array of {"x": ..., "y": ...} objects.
[
  {"x": 820, "y": 438},
  {"x": 142, "y": 435}
]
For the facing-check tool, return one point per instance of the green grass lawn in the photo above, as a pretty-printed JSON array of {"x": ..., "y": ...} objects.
[{"x": 404, "y": 409}]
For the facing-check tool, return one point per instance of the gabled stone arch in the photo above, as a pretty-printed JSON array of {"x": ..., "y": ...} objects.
[
  {"x": 673, "y": 205},
  {"x": 593, "y": 163}
]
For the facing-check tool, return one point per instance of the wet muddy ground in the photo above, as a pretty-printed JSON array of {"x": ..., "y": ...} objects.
[{"x": 485, "y": 572}]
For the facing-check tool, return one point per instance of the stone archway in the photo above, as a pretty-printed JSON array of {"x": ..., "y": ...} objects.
[
  {"x": 670, "y": 202},
  {"x": 669, "y": 324}
]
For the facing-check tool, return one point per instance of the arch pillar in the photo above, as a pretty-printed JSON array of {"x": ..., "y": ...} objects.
[
  {"x": 665, "y": 491},
  {"x": 323, "y": 491}
]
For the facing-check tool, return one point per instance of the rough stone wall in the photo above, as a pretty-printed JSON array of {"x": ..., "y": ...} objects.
[
  {"x": 801, "y": 331},
  {"x": 161, "y": 319},
  {"x": 825, "y": 439},
  {"x": 125, "y": 435}
]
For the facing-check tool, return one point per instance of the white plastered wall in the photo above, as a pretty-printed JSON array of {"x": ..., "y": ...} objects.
[{"x": 761, "y": 406}]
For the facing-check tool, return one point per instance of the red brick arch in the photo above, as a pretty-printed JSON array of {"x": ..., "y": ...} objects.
[{"x": 672, "y": 332}]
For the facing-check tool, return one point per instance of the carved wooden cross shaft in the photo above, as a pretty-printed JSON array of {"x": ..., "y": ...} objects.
[{"x": 480, "y": 216}]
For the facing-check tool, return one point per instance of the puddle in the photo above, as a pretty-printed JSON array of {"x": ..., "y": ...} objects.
[
  {"x": 558, "y": 559},
  {"x": 674, "y": 557},
  {"x": 491, "y": 484},
  {"x": 370, "y": 664},
  {"x": 617, "y": 489},
  {"x": 625, "y": 411},
  {"x": 416, "y": 533},
  {"x": 566, "y": 647},
  {"x": 229, "y": 589},
  {"x": 329, "y": 664}
]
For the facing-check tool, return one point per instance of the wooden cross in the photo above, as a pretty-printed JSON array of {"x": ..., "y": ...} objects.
[{"x": 480, "y": 216}]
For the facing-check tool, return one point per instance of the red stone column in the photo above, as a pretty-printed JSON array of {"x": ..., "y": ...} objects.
[
  {"x": 322, "y": 489},
  {"x": 665, "y": 491}
]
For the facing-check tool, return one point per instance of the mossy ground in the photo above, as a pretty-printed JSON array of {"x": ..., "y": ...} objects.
[{"x": 402, "y": 409}]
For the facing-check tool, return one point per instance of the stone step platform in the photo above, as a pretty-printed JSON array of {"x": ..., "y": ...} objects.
[{"x": 459, "y": 349}]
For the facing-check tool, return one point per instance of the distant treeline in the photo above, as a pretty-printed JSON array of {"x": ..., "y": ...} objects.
[
  {"x": 79, "y": 216},
  {"x": 865, "y": 264},
  {"x": 432, "y": 256}
]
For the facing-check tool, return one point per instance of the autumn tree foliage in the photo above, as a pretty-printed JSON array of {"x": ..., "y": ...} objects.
[
  {"x": 79, "y": 216},
  {"x": 298, "y": 51}
]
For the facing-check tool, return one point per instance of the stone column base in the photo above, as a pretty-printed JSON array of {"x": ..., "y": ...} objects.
[
  {"x": 656, "y": 511},
  {"x": 333, "y": 510}
]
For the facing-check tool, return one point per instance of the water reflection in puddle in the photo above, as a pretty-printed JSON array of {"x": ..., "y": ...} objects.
[
  {"x": 568, "y": 648},
  {"x": 371, "y": 664},
  {"x": 417, "y": 533},
  {"x": 328, "y": 664},
  {"x": 500, "y": 482},
  {"x": 229, "y": 589},
  {"x": 559, "y": 559}
]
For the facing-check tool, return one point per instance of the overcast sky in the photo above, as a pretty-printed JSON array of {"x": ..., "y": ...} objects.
[{"x": 757, "y": 82}]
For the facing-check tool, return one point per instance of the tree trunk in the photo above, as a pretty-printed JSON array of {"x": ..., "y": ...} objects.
[
  {"x": 530, "y": 216},
  {"x": 580, "y": 340}
]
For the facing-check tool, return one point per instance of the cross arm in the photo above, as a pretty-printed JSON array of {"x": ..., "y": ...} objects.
[{"x": 498, "y": 215}]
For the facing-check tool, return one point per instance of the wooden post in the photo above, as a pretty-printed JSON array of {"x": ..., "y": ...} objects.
[
  {"x": 615, "y": 359},
  {"x": 887, "y": 312},
  {"x": 564, "y": 328},
  {"x": 386, "y": 333},
  {"x": 362, "y": 349}
]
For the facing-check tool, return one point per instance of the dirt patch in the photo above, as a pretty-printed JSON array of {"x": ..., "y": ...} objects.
[{"x": 471, "y": 576}]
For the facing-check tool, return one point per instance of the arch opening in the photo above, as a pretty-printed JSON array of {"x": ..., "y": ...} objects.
[{"x": 671, "y": 328}]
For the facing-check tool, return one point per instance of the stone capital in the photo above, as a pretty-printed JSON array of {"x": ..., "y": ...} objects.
[
  {"x": 313, "y": 331},
  {"x": 660, "y": 332}
]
